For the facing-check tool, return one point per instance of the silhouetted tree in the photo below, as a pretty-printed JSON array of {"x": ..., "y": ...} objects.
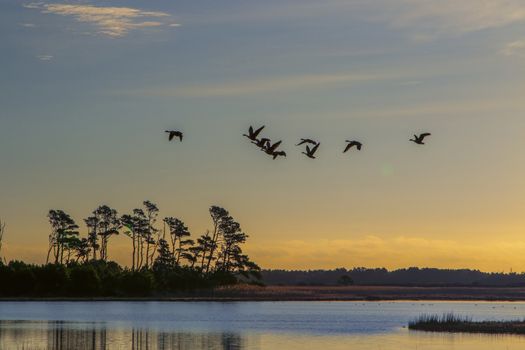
[
  {"x": 2, "y": 231},
  {"x": 82, "y": 248},
  {"x": 151, "y": 234},
  {"x": 137, "y": 224},
  {"x": 232, "y": 238},
  {"x": 217, "y": 215},
  {"x": 203, "y": 249},
  {"x": 178, "y": 234},
  {"x": 159, "y": 264},
  {"x": 63, "y": 230},
  {"x": 92, "y": 223},
  {"x": 109, "y": 225},
  {"x": 165, "y": 259}
]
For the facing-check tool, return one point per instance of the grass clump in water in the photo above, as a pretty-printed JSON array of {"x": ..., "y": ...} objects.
[{"x": 463, "y": 324}]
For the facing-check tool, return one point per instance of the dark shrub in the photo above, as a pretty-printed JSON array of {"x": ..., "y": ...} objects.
[
  {"x": 222, "y": 278},
  {"x": 51, "y": 279},
  {"x": 5, "y": 280},
  {"x": 345, "y": 280},
  {"x": 22, "y": 280},
  {"x": 109, "y": 274},
  {"x": 137, "y": 283},
  {"x": 84, "y": 281}
]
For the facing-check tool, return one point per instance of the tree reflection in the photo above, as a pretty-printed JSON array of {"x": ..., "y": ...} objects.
[{"x": 60, "y": 335}]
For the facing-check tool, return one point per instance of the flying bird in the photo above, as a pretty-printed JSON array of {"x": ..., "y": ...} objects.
[
  {"x": 351, "y": 144},
  {"x": 252, "y": 135},
  {"x": 270, "y": 149},
  {"x": 303, "y": 141},
  {"x": 174, "y": 133},
  {"x": 262, "y": 143},
  {"x": 419, "y": 139},
  {"x": 279, "y": 153},
  {"x": 311, "y": 151}
]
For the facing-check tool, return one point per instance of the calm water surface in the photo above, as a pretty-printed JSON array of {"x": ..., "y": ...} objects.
[{"x": 243, "y": 325}]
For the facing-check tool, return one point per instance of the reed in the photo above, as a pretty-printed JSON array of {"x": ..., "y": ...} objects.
[{"x": 463, "y": 324}]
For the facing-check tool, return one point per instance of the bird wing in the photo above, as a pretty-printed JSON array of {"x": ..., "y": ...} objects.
[
  {"x": 263, "y": 142},
  {"x": 172, "y": 134},
  {"x": 347, "y": 147},
  {"x": 425, "y": 135},
  {"x": 311, "y": 141},
  {"x": 315, "y": 148},
  {"x": 359, "y": 145},
  {"x": 250, "y": 131},
  {"x": 181, "y": 135},
  {"x": 300, "y": 143},
  {"x": 275, "y": 145},
  {"x": 308, "y": 149},
  {"x": 257, "y": 132}
]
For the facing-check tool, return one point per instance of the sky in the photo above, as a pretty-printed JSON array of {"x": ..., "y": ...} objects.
[{"x": 88, "y": 87}]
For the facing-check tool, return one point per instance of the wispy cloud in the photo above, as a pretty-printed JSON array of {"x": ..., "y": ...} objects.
[
  {"x": 423, "y": 19},
  {"x": 515, "y": 48},
  {"x": 44, "y": 57},
  {"x": 256, "y": 86},
  {"x": 452, "y": 15},
  {"x": 28, "y": 25},
  {"x": 111, "y": 21}
]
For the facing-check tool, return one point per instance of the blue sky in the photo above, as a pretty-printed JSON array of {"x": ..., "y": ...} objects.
[{"x": 88, "y": 87}]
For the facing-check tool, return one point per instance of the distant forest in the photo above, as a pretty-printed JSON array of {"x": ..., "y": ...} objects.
[{"x": 412, "y": 276}]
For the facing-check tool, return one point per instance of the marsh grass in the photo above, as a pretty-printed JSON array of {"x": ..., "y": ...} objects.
[{"x": 463, "y": 324}]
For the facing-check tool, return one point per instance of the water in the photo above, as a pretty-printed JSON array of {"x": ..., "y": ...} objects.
[{"x": 244, "y": 325}]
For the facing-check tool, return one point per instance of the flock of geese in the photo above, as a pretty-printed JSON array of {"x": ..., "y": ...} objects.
[{"x": 311, "y": 146}]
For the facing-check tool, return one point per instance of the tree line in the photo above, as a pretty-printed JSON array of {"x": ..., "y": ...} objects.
[
  {"x": 412, "y": 276},
  {"x": 163, "y": 259}
]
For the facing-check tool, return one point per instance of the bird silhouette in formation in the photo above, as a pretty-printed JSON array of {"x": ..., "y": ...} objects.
[
  {"x": 311, "y": 151},
  {"x": 271, "y": 148},
  {"x": 262, "y": 143},
  {"x": 351, "y": 144},
  {"x": 303, "y": 141},
  {"x": 252, "y": 135},
  {"x": 279, "y": 153},
  {"x": 419, "y": 139},
  {"x": 174, "y": 133},
  {"x": 266, "y": 145}
]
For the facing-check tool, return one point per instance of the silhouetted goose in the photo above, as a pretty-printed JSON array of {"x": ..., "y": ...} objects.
[
  {"x": 270, "y": 149},
  {"x": 419, "y": 139},
  {"x": 279, "y": 153},
  {"x": 303, "y": 141},
  {"x": 351, "y": 144},
  {"x": 174, "y": 133},
  {"x": 252, "y": 135},
  {"x": 310, "y": 152},
  {"x": 262, "y": 143}
]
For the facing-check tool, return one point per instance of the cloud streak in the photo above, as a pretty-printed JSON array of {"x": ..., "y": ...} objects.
[
  {"x": 515, "y": 48},
  {"x": 258, "y": 86},
  {"x": 44, "y": 57},
  {"x": 114, "y": 22},
  {"x": 424, "y": 20}
]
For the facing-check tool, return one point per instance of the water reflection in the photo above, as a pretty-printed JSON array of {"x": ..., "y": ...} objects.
[
  {"x": 56, "y": 335},
  {"x": 244, "y": 326},
  {"x": 59, "y": 335}
]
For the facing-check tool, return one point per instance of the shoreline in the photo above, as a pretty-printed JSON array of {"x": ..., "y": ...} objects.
[{"x": 316, "y": 293}]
